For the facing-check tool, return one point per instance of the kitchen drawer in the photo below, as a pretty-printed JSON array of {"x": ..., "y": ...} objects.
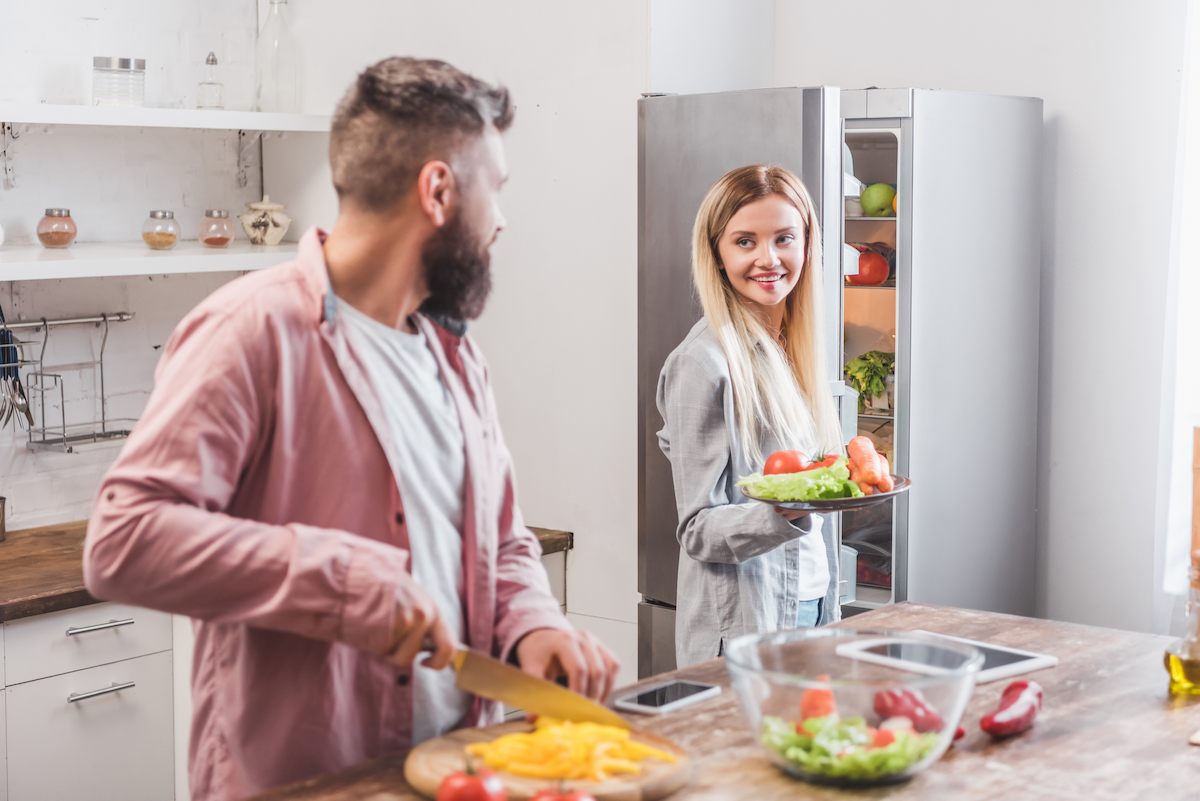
[
  {"x": 39, "y": 646},
  {"x": 117, "y": 746}
]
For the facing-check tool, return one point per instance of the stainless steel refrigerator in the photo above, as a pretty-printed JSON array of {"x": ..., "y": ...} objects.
[{"x": 958, "y": 311}]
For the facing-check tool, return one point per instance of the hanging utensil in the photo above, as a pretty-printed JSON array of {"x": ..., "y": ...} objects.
[
  {"x": 19, "y": 396},
  {"x": 6, "y": 357}
]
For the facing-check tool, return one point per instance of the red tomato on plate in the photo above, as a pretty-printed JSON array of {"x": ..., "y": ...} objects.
[
  {"x": 785, "y": 462},
  {"x": 824, "y": 461}
]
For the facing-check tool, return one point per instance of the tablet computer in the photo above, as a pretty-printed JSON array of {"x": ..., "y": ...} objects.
[
  {"x": 665, "y": 697},
  {"x": 999, "y": 661}
]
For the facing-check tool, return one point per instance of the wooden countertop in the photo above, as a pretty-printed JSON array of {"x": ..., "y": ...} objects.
[
  {"x": 1108, "y": 731},
  {"x": 41, "y": 569}
]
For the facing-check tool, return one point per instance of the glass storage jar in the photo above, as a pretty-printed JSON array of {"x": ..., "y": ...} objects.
[
  {"x": 216, "y": 229},
  {"x": 57, "y": 229},
  {"x": 118, "y": 81},
  {"x": 160, "y": 231}
]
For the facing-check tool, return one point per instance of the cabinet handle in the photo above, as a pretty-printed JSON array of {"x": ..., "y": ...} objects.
[
  {"x": 112, "y": 624},
  {"x": 112, "y": 688}
]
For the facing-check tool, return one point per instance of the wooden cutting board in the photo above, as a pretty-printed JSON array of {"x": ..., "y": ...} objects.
[{"x": 433, "y": 760}]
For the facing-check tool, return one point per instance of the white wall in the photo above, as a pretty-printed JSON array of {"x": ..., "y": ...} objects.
[
  {"x": 1109, "y": 73},
  {"x": 711, "y": 45},
  {"x": 110, "y": 178},
  {"x": 560, "y": 328}
]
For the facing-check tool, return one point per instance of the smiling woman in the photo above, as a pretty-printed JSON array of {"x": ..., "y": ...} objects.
[{"x": 746, "y": 381}]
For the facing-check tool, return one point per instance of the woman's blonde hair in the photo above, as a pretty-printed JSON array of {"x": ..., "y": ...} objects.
[{"x": 777, "y": 389}]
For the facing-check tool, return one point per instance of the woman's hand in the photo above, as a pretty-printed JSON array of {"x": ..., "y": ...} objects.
[{"x": 791, "y": 514}]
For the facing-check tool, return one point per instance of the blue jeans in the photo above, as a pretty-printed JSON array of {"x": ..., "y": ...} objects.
[{"x": 809, "y": 613}]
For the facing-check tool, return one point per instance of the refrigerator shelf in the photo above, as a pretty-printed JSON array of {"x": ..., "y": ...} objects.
[
  {"x": 862, "y": 218},
  {"x": 887, "y": 285}
]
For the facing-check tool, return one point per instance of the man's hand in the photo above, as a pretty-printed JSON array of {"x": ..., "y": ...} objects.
[
  {"x": 590, "y": 668},
  {"x": 418, "y": 624}
]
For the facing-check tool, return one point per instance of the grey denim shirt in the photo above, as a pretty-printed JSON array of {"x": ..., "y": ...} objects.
[{"x": 738, "y": 559}]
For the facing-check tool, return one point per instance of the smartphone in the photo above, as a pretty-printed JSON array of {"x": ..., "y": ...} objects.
[
  {"x": 658, "y": 699},
  {"x": 999, "y": 661}
]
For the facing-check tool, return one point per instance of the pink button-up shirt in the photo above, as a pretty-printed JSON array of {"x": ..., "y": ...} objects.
[{"x": 254, "y": 496}]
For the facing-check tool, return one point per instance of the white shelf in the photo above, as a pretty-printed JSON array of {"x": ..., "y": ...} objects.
[
  {"x": 143, "y": 117},
  {"x": 861, "y": 218},
  {"x": 103, "y": 259},
  {"x": 871, "y": 597}
]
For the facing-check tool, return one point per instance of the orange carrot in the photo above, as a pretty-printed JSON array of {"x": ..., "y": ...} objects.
[
  {"x": 886, "y": 484},
  {"x": 862, "y": 451}
]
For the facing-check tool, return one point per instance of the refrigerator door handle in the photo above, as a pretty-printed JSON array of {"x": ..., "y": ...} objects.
[{"x": 847, "y": 401}]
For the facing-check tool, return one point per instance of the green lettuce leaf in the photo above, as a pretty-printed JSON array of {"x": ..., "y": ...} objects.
[{"x": 810, "y": 485}]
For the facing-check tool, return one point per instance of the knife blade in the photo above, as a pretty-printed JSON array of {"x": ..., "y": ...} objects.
[{"x": 490, "y": 678}]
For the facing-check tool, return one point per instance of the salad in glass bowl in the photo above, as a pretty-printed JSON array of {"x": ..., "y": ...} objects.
[{"x": 827, "y": 716}]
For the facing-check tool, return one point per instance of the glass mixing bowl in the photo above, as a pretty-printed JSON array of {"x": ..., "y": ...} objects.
[{"x": 827, "y": 707}]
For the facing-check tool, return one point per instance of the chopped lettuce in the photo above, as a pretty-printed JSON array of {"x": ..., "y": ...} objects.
[
  {"x": 842, "y": 749},
  {"x": 822, "y": 483}
]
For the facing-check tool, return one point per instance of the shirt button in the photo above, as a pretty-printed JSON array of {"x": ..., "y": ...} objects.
[
  {"x": 402, "y": 679},
  {"x": 400, "y": 518}
]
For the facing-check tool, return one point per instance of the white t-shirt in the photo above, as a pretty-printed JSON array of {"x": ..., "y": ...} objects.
[
  {"x": 427, "y": 459},
  {"x": 814, "y": 564}
]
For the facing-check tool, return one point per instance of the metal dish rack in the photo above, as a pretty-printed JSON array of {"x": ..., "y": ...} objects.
[{"x": 42, "y": 382}]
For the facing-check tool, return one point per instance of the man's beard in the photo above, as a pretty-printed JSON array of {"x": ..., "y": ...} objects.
[{"x": 457, "y": 272}]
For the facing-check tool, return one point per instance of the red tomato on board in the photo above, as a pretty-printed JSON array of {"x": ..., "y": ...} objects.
[
  {"x": 472, "y": 785},
  {"x": 557, "y": 794}
]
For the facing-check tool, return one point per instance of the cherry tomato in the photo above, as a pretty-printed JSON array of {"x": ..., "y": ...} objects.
[
  {"x": 785, "y": 462},
  {"x": 472, "y": 785},
  {"x": 559, "y": 794},
  {"x": 882, "y": 738}
]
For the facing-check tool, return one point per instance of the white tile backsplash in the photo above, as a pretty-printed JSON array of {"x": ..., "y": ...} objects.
[{"x": 49, "y": 487}]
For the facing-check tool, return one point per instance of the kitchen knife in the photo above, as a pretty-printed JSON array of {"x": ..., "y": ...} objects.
[{"x": 490, "y": 678}]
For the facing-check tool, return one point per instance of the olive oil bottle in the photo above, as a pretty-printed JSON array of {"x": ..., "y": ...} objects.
[{"x": 1182, "y": 658}]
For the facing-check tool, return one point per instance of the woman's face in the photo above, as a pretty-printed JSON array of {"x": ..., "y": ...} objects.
[{"x": 762, "y": 250}]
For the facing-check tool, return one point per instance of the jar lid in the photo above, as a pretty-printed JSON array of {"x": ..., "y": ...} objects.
[
  {"x": 218, "y": 213},
  {"x": 162, "y": 214},
  {"x": 58, "y": 212},
  {"x": 115, "y": 63},
  {"x": 264, "y": 205}
]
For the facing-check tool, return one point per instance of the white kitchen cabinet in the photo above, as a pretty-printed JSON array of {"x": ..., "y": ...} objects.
[
  {"x": 76, "y": 735},
  {"x": 556, "y": 570},
  {"x": 3, "y": 753},
  {"x": 60, "y": 642}
]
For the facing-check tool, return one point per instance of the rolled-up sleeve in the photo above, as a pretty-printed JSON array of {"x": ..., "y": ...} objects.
[
  {"x": 696, "y": 439},
  {"x": 160, "y": 535}
]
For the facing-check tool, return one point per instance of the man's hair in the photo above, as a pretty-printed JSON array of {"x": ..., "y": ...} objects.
[{"x": 400, "y": 114}]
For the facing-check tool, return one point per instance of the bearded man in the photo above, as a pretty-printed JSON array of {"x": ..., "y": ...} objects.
[{"x": 319, "y": 479}]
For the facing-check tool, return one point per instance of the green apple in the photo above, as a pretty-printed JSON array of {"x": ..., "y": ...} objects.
[{"x": 876, "y": 200}]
